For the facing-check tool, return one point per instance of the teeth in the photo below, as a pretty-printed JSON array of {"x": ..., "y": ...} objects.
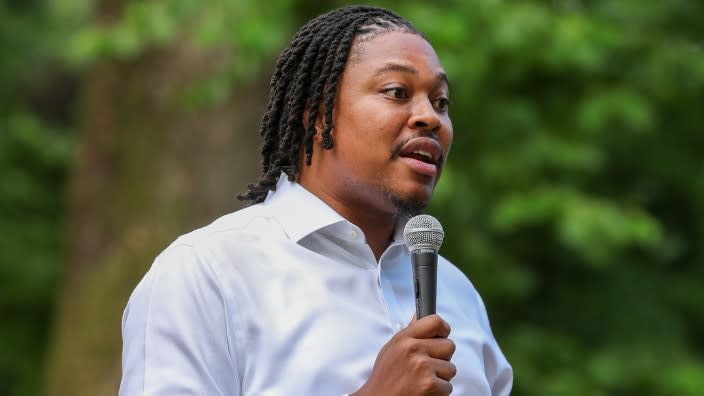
[{"x": 423, "y": 153}]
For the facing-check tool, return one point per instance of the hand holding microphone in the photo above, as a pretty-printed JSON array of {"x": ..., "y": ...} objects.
[{"x": 416, "y": 361}]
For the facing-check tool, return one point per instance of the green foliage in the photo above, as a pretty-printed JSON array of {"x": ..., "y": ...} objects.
[
  {"x": 45, "y": 44},
  {"x": 34, "y": 156},
  {"x": 572, "y": 197},
  {"x": 33, "y": 163},
  {"x": 245, "y": 34}
]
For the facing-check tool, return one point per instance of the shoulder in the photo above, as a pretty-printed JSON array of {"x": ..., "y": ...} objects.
[
  {"x": 227, "y": 238},
  {"x": 461, "y": 291},
  {"x": 253, "y": 221},
  {"x": 455, "y": 279},
  {"x": 470, "y": 323},
  {"x": 206, "y": 255}
]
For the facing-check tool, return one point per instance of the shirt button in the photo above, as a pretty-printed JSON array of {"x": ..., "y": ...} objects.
[
  {"x": 353, "y": 234},
  {"x": 399, "y": 326}
]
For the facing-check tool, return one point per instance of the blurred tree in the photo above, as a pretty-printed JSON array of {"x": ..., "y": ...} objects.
[
  {"x": 572, "y": 197},
  {"x": 574, "y": 191},
  {"x": 35, "y": 147},
  {"x": 167, "y": 138}
]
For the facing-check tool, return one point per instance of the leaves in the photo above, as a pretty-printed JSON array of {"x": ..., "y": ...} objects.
[
  {"x": 572, "y": 197},
  {"x": 572, "y": 194}
]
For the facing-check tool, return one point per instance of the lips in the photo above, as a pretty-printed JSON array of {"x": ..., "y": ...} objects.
[{"x": 424, "y": 155}]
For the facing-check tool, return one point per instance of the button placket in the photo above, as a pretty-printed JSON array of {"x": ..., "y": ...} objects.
[{"x": 392, "y": 303}]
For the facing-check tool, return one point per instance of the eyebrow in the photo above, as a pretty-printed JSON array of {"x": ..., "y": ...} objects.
[{"x": 397, "y": 67}]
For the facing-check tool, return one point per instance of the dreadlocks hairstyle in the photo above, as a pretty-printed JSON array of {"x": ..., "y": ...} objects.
[{"x": 306, "y": 76}]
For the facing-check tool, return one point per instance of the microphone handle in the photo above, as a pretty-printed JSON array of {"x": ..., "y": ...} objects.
[{"x": 425, "y": 273}]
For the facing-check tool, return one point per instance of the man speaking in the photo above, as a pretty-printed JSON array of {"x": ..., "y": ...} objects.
[{"x": 310, "y": 290}]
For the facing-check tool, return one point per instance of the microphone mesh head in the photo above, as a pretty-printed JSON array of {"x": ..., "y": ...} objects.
[{"x": 423, "y": 232}]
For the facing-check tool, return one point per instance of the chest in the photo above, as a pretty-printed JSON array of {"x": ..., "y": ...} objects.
[{"x": 317, "y": 327}]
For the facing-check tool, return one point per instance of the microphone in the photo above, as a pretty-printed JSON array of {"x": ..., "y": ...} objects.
[{"x": 423, "y": 235}]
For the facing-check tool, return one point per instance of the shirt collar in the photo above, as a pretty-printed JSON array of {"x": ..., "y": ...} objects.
[
  {"x": 301, "y": 213},
  {"x": 298, "y": 211}
]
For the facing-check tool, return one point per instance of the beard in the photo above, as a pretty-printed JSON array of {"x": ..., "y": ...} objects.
[{"x": 406, "y": 207}]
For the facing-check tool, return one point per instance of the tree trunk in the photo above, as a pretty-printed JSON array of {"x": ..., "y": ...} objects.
[{"x": 147, "y": 170}]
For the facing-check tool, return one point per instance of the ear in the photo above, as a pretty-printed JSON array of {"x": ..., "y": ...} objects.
[{"x": 319, "y": 124}]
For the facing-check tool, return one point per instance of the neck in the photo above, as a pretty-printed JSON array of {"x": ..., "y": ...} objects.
[
  {"x": 378, "y": 229},
  {"x": 377, "y": 223}
]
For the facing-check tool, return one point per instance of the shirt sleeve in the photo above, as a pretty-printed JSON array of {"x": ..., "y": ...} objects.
[
  {"x": 175, "y": 331},
  {"x": 498, "y": 371}
]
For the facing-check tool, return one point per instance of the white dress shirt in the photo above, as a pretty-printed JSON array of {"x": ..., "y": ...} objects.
[{"x": 286, "y": 298}]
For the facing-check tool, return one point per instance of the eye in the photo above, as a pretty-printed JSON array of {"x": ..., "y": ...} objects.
[
  {"x": 442, "y": 104},
  {"x": 396, "y": 92}
]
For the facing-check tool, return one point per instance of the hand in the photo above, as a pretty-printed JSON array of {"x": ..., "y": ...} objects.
[{"x": 415, "y": 362}]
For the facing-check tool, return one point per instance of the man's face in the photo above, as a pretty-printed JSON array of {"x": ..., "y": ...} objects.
[{"x": 392, "y": 131}]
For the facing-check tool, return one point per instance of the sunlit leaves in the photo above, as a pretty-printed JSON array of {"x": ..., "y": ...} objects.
[{"x": 243, "y": 34}]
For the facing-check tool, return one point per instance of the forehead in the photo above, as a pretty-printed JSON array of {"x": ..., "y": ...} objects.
[{"x": 394, "y": 47}]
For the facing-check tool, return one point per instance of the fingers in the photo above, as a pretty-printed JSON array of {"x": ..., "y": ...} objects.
[
  {"x": 439, "y": 348},
  {"x": 445, "y": 370},
  {"x": 428, "y": 336},
  {"x": 441, "y": 368},
  {"x": 416, "y": 361},
  {"x": 443, "y": 387},
  {"x": 425, "y": 343},
  {"x": 446, "y": 388},
  {"x": 437, "y": 381},
  {"x": 428, "y": 327},
  {"x": 435, "y": 348}
]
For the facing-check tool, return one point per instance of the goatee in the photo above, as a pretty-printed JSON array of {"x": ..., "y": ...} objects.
[{"x": 407, "y": 208}]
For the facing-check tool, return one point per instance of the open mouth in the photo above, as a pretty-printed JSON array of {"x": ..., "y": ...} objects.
[
  {"x": 421, "y": 155},
  {"x": 422, "y": 149}
]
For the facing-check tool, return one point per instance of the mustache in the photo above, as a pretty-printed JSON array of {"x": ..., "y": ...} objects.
[{"x": 396, "y": 149}]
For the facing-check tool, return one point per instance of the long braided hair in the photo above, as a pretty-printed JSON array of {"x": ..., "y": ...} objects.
[{"x": 307, "y": 74}]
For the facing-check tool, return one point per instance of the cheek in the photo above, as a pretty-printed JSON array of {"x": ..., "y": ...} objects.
[
  {"x": 448, "y": 136},
  {"x": 369, "y": 127}
]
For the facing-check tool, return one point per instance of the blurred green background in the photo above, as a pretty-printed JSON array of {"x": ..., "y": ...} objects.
[{"x": 573, "y": 198}]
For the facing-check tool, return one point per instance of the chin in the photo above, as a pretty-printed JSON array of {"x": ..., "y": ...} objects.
[
  {"x": 409, "y": 200},
  {"x": 409, "y": 208},
  {"x": 409, "y": 205}
]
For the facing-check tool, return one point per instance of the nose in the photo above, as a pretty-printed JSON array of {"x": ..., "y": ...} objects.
[{"x": 424, "y": 116}]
